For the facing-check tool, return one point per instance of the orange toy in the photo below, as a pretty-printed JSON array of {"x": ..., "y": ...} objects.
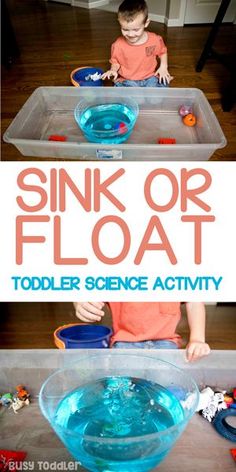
[
  {"x": 233, "y": 452},
  {"x": 57, "y": 137},
  {"x": 190, "y": 119},
  {"x": 166, "y": 141},
  {"x": 22, "y": 393},
  {"x": 228, "y": 400}
]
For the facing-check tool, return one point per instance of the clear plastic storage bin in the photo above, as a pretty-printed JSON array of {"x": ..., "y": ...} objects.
[
  {"x": 50, "y": 111},
  {"x": 200, "y": 448}
]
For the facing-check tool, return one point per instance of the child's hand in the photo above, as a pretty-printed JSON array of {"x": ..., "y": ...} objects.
[
  {"x": 163, "y": 75},
  {"x": 196, "y": 349},
  {"x": 89, "y": 311},
  {"x": 109, "y": 74}
]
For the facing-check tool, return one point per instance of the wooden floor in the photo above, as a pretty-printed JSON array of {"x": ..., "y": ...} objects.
[
  {"x": 55, "y": 38},
  {"x": 31, "y": 325}
]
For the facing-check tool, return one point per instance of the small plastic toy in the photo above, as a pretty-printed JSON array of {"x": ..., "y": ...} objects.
[
  {"x": 206, "y": 396},
  {"x": 190, "y": 119},
  {"x": 93, "y": 77},
  {"x": 185, "y": 110},
  {"x": 12, "y": 458},
  {"x": 166, "y": 141},
  {"x": 222, "y": 426},
  {"x": 210, "y": 403},
  {"x": 22, "y": 393},
  {"x": 6, "y": 399},
  {"x": 57, "y": 137},
  {"x": 228, "y": 400},
  {"x": 17, "y": 404},
  {"x": 121, "y": 127},
  {"x": 233, "y": 453},
  {"x": 16, "y": 401}
]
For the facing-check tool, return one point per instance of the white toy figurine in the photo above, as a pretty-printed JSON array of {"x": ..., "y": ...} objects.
[
  {"x": 93, "y": 77},
  {"x": 210, "y": 403},
  {"x": 17, "y": 404}
]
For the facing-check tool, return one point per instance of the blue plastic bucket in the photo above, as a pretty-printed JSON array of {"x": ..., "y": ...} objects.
[
  {"x": 82, "y": 336},
  {"x": 78, "y": 77}
]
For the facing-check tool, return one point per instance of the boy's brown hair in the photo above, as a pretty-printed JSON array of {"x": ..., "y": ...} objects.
[{"x": 128, "y": 9}]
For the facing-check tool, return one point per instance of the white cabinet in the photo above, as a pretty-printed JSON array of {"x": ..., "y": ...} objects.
[{"x": 204, "y": 11}]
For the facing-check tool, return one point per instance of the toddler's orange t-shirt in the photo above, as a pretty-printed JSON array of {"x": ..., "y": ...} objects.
[
  {"x": 145, "y": 321},
  {"x": 137, "y": 62}
]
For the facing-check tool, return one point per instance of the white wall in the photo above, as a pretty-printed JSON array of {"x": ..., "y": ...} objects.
[
  {"x": 173, "y": 9},
  {"x": 163, "y": 11},
  {"x": 157, "y": 7},
  {"x": 88, "y": 3}
]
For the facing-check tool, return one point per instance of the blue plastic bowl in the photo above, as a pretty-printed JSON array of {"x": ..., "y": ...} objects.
[
  {"x": 83, "y": 336},
  {"x": 122, "y": 447},
  {"x": 78, "y": 77}
]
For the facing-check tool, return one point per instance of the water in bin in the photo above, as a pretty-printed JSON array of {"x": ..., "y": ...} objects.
[
  {"x": 106, "y": 120},
  {"x": 119, "y": 412}
]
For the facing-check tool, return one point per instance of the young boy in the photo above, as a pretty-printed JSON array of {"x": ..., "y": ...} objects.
[
  {"x": 150, "y": 325},
  {"x": 134, "y": 54}
]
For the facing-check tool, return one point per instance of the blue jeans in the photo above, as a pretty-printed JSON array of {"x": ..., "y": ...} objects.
[
  {"x": 156, "y": 344},
  {"x": 150, "y": 82}
]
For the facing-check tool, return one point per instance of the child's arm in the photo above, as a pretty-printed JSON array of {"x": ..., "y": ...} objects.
[
  {"x": 162, "y": 71},
  {"x": 196, "y": 347},
  {"x": 89, "y": 311},
  {"x": 112, "y": 72}
]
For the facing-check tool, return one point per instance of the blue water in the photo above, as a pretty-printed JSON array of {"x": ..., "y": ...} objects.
[
  {"x": 114, "y": 412},
  {"x": 111, "y": 123}
]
